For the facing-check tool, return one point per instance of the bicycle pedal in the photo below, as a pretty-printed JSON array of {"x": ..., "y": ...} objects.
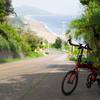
[{"x": 88, "y": 85}]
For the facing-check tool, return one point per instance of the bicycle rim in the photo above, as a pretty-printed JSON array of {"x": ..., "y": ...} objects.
[
  {"x": 68, "y": 86},
  {"x": 98, "y": 84}
]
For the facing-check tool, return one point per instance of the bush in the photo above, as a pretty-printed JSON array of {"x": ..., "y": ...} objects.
[
  {"x": 37, "y": 49},
  {"x": 72, "y": 59},
  {"x": 47, "y": 53},
  {"x": 40, "y": 45},
  {"x": 35, "y": 55},
  {"x": 11, "y": 40},
  {"x": 4, "y": 43}
]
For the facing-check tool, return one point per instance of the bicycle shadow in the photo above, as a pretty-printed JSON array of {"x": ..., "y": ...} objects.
[{"x": 45, "y": 86}]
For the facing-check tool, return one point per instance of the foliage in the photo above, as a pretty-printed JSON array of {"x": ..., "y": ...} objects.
[
  {"x": 8, "y": 7},
  {"x": 31, "y": 39},
  {"x": 35, "y": 55},
  {"x": 95, "y": 64},
  {"x": 57, "y": 43},
  {"x": 16, "y": 22},
  {"x": 40, "y": 45},
  {"x": 5, "y": 9},
  {"x": 15, "y": 42},
  {"x": 66, "y": 47},
  {"x": 4, "y": 43},
  {"x": 37, "y": 49},
  {"x": 87, "y": 27},
  {"x": 31, "y": 56},
  {"x": 2, "y": 12},
  {"x": 46, "y": 44},
  {"x": 85, "y": 2},
  {"x": 53, "y": 45},
  {"x": 68, "y": 31},
  {"x": 47, "y": 53},
  {"x": 72, "y": 59}
]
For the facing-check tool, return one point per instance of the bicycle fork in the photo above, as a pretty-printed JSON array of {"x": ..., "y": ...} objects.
[{"x": 73, "y": 78}]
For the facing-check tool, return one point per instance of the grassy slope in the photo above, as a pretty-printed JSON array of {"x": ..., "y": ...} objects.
[{"x": 17, "y": 20}]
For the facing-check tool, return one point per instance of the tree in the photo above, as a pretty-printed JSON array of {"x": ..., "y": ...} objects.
[
  {"x": 58, "y": 43},
  {"x": 87, "y": 26},
  {"x": 86, "y": 2},
  {"x": 2, "y": 11},
  {"x": 31, "y": 39},
  {"x": 6, "y": 9}
]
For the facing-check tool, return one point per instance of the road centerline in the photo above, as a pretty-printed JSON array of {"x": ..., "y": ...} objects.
[{"x": 29, "y": 62}]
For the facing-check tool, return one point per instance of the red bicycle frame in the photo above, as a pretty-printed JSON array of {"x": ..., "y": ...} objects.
[{"x": 79, "y": 65}]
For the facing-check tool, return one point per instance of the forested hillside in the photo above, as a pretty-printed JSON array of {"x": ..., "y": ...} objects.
[{"x": 12, "y": 38}]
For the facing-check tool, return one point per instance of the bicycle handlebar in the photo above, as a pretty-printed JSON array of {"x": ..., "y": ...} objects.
[{"x": 80, "y": 45}]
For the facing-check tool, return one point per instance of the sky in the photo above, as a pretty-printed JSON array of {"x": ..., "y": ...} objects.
[{"x": 66, "y": 7}]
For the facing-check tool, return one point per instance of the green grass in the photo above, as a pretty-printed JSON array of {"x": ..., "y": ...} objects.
[
  {"x": 32, "y": 55},
  {"x": 17, "y": 20},
  {"x": 47, "y": 53},
  {"x": 58, "y": 50},
  {"x": 72, "y": 59},
  {"x": 9, "y": 60}
]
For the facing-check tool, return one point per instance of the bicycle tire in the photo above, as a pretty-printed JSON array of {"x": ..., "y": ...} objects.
[
  {"x": 90, "y": 76},
  {"x": 64, "y": 81},
  {"x": 98, "y": 84}
]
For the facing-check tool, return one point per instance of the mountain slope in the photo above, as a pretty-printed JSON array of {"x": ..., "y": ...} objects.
[{"x": 29, "y": 10}]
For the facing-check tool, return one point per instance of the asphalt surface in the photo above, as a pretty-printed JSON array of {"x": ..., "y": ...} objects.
[{"x": 40, "y": 79}]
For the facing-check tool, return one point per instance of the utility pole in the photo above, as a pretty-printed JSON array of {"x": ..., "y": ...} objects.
[
  {"x": 49, "y": 41},
  {"x": 63, "y": 33}
]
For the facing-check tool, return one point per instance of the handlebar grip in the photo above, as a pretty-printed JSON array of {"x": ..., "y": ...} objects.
[{"x": 87, "y": 47}]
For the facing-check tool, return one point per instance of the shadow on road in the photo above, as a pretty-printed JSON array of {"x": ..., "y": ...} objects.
[{"x": 44, "y": 86}]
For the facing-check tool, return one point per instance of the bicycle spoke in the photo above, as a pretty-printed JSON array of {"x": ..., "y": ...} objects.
[{"x": 69, "y": 84}]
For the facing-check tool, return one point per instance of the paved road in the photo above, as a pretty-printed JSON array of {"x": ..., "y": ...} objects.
[
  {"x": 17, "y": 78},
  {"x": 40, "y": 79}
]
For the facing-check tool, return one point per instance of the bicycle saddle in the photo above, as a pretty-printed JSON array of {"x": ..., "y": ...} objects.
[{"x": 88, "y": 62}]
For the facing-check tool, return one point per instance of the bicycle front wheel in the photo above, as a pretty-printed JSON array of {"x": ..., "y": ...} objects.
[{"x": 69, "y": 82}]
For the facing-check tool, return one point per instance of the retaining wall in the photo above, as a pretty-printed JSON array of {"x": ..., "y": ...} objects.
[{"x": 5, "y": 54}]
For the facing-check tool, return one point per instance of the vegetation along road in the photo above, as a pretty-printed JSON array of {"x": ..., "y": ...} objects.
[{"x": 18, "y": 78}]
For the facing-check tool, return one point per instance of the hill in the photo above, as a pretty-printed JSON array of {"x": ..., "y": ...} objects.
[{"x": 29, "y": 10}]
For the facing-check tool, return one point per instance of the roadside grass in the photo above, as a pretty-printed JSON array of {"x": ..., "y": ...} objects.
[
  {"x": 33, "y": 55},
  {"x": 59, "y": 50}
]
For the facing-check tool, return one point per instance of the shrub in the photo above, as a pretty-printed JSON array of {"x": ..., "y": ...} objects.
[
  {"x": 37, "y": 49},
  {"x": 35, "y": 55},
  {"x": 47, "y": 53},
  {"x": 66, "y": 47},
  {"x": 40, "y": 45},
  {"x": 72, "y": 59},
  {"x": 4, "y": 43}
]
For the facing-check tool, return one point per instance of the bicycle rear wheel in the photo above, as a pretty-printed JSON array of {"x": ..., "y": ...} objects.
[
  {"x": 68, "y": 85},
  {"x": 98, "y": 84}
]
